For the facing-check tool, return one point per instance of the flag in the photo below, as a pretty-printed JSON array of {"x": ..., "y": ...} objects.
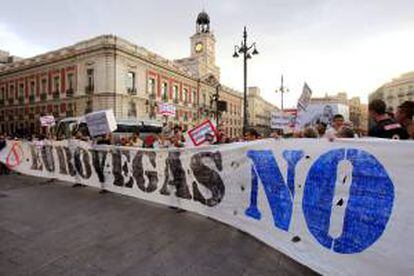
[{"x": 304, "y": 98}]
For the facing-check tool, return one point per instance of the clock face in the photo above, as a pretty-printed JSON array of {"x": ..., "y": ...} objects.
[{"x": 199, "y": 47}]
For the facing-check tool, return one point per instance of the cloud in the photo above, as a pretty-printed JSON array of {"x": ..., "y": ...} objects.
[
  {"x": 16, "y": 45},
  {"x": 334, "y": 45}
]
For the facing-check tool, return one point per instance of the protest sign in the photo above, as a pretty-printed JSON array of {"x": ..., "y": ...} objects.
[
  {"x": 47, "y": 121},
  {"x": 304, "y": 98},
  {"x": 101, "y": 122},
  {"x": 279, "y": 120},
  {"x": 198, "y": 133},
  {"x": 322, "y": 113},
  {"x": 341, "y": 208},
  {"x": 285, "y": 120},
  {"x": 166, "y": 109}
]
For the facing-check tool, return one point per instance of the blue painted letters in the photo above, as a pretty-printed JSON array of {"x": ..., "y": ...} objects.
[
  {"x": 279, "y": 194},
  {"x": 368, "y": 206}
]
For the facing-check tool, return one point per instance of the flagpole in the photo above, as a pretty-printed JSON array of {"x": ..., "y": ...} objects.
[{"x": 282, "y": 91}]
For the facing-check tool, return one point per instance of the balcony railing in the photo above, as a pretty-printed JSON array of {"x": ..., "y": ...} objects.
[
  {"x": 31, "y": 98},
  {"x": 21, "y": 99},
  {"x": 89, "y": 89},
  {"x": 56, "y": 94},
  {"x": 69, "y": 93},
  {"x": 152, "y": 96},
  {"x": 176, "y": 101},
  {"x": 132, "y": 91},
  {"x": 43, "y": 97}
]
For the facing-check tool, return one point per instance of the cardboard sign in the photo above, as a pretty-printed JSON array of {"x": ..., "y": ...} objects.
[
  {"x": 166, "y": 109},
  {"x": 47, "y": 121},
  {"x": 198, "y": 133},
  {"x": 101, "y": 122}
]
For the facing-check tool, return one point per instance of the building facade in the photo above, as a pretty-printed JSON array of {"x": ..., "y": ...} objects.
[
  {"x": 339, "y": 98},
  {"x": 396, "y": 91},
  {"x": 108, "y": 72},
  {"x": 6, "y": 58},
  {"x": 259, "y": 111},
  {"x": 232, "y": 119}
]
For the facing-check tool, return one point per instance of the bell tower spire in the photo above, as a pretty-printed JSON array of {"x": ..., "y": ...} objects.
[
  {"x": 202, "y": 61},
  {"x": 203, "y": 23}
]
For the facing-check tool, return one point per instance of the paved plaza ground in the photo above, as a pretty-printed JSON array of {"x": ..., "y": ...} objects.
[{"x": 54, "y": 229}]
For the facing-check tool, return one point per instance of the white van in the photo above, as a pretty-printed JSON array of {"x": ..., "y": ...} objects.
[{"x": 67, "y": 127}]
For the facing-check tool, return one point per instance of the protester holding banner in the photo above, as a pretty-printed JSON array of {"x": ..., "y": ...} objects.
[
  {"x": 404, "y": 116},
  {"x": 385, "y": 127},
  {"x": 167, "y": 132},
  {"x": 104, "y": 139},
  {"x": 310, "y": 132},
  {"x": 209, "y": 140},
  {"x": 251, "y": 135},
  {"x": 135, "y": 141},
  {"x": 346, "y": 131},
  {"x": 337, "y": 122},
  {"x": 321, "y": 128},
  {"x": 177, "y": 139},
  {"x": 156, "y": 142}
]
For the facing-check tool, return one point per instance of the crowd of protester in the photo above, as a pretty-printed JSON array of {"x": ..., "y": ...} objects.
[{"x": 385, "y": 125}]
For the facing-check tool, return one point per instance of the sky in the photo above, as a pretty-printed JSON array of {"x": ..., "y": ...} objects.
[{"x": 333, "y": 45}]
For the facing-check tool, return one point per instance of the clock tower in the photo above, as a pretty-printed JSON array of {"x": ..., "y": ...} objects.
[{"x": 202, "y": 61}]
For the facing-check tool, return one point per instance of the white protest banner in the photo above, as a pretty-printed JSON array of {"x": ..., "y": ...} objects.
[
  {"x": 47, "y": 121},
  {"x": 198, "y": 133},
  {"x": 341, "y": 208},
  {"x": 101, "y": 122},
  {"x": 167, "y": 109}
]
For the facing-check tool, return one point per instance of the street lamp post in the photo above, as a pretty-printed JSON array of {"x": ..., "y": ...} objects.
[
  {"x": 216, "y": 98},
  {"x": 282, "y": 90},
  {"x": 245, "y": 50}
]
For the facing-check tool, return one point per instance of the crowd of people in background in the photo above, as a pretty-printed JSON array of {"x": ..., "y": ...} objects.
[{"x": 386, "y": 125}]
